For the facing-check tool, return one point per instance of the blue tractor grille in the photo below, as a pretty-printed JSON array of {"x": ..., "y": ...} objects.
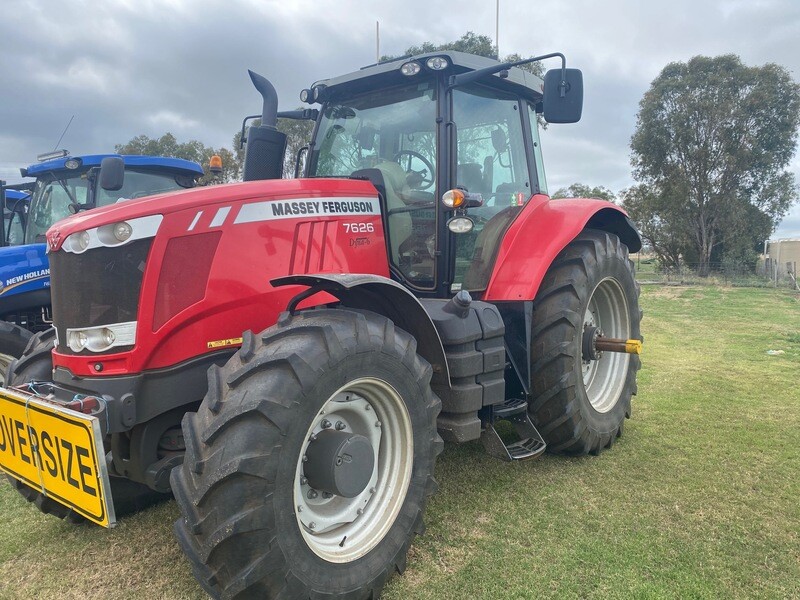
[{"x": 98, "y": 287}]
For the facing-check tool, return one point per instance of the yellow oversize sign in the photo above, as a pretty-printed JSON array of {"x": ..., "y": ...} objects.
[{"x": 55, "y": 449}]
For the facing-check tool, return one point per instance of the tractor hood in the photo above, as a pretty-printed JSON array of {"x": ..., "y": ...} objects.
[{"x": 234, "y": 194}]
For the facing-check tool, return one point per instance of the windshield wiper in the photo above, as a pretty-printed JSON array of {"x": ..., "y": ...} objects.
[{"x": 66, "y": 189}]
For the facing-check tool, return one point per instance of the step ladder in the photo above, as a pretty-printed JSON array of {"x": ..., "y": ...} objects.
[{"x": 530, "y": 443}]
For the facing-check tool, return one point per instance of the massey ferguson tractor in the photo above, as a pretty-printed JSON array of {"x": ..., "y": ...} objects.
[{"x": 286, "y": 356}]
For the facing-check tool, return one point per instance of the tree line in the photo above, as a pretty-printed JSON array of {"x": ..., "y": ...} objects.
[{"x": 710, "y": 155}]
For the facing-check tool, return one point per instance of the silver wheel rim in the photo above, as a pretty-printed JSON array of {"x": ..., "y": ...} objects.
[
  {"x": 339, "y": 529},
  {"x": 604, "y": 378},
  {"x": 5, "y": 360}
]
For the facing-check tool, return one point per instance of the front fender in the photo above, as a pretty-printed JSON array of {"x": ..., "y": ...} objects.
[
  {"x": 541, "y": 232},
  {"x": 388, "y": 298}
]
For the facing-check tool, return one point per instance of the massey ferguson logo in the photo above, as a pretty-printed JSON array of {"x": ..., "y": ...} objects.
[{"x": 53, "y": 237}]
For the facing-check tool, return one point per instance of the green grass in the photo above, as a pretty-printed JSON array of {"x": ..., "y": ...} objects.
[{"x": 700, "y": 498}]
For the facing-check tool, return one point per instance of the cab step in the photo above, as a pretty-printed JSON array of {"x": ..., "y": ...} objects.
[{"x": 530, "y": 443}]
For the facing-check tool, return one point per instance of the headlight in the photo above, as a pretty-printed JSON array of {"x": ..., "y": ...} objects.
[
  {"x": 122, "y": 231},
  {"x": 100, "y": 339},
  {"x": 73, "y": 163},
  {"x": 76, "y": 340},
  {"x": 410, "y": 68},
  {"x": 437, "y": 63},
  {"x": 460, "y": 224},
  {"x": 77, "y": 242}
]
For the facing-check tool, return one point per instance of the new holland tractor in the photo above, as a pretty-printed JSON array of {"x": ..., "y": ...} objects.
[
  {"x": 64, "y": 185},
  {"x": 287, "y": 356}
]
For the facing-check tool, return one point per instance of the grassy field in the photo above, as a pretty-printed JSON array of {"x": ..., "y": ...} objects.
[{"x": 700, "y": 498}]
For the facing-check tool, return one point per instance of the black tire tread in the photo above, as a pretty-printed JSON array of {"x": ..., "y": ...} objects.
[
  {"x": 214, "y": 530},
  {"x": 553, "y": 406}
]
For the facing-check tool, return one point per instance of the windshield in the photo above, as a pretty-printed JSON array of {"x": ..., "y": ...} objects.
[
  {"x": 55, "y": 193},
  {"x": 394, "y": 132}
]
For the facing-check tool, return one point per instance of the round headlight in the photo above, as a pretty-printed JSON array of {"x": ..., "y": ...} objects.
[
  {"x": 453, "y": 198},
  {"x": 460, "y": 224},
  {"x": 73, "y": 163},
  {"x": 78, "y": 242},
  {"x": 410, "y": 68},
  {"x": 122, "y": 231},
  {"x": 77, "y": 340},
  {"x": 437, "y": 63},
  {"x": 305, "y": 95},
  {"x": 107, "y": 336}
]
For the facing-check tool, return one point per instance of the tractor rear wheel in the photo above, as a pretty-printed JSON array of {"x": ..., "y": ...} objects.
[
  {"x": 310, "y": 460},
  {"x": 36, "y": 364},
  {"x": 579, "y": 404},
  {"x": 13, "y": 340}
]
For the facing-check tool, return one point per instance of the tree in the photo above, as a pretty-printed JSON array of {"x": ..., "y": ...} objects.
[
  {"x": 712, "y": 143},
  {"x": 481, "y": 45},
  {"x": 660, "y": 221},
  {"x": 168, "y": 145},
  {"x": 580, "y": 190}
]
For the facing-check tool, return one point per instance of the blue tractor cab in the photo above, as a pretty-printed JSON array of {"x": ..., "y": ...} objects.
[
  {"x": 65, "y": 185},
  {"x": 15, "y": 201}
]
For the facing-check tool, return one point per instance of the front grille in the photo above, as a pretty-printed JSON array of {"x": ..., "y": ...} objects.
[{"x": 99, "y": 287}]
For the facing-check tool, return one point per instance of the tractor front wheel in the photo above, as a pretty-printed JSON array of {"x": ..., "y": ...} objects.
[
  {"x": 310, "y": 460},
  {"x": 580, "y": 397}
]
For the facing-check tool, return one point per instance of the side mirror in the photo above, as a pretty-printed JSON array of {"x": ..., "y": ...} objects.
[
  {"x": 563, "y": 99},
  {"x": 112, "y": 173}
]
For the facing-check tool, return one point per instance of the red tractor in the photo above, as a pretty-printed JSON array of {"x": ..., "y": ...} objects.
[{"x": 416, "y": 285}]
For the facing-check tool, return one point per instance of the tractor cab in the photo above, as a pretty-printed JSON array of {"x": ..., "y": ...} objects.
[
  {"x": 15, "y": 200},
  {"x": 451, "y": 142},
  {"x": 67, "y": 184}
]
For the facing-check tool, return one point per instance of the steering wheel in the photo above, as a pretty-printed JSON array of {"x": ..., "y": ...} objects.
[{"x": 419, "y": 180}]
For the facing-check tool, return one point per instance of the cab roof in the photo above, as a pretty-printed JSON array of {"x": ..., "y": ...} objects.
[
  {"x": 16, "y": 195},
  {"x": 388, "y": 73},
  {"x": 176, "y": 165}
]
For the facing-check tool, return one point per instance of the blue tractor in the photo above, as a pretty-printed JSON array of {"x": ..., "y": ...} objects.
[
  {"x": 15, "y": 201},
  {"x": 64, "y": 185}
]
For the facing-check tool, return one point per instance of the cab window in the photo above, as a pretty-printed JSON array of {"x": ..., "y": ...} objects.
[{"x": 491, "y": 161}]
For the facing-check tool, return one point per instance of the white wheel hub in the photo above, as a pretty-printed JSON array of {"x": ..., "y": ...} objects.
[{"x": 341, "y": 529}]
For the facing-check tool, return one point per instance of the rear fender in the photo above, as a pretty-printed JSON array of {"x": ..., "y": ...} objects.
[
  {"x": 383, "y": 296},
  {"x": 540, "y": 233}
]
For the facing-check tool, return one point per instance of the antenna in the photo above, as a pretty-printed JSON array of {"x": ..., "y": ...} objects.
[
  {"x": 497, "y": 30},
  {"x": 377, "y": 42},
  {"x": 64, "y": 132}
]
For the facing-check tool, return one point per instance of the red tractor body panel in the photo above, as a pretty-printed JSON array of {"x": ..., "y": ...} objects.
[
  {"x": 215, "y": 252},
  {"x": 532, "y": 242}
]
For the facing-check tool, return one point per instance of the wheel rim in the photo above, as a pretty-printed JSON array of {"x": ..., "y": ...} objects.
[
  {"x": 5, "y": 360},
  {"x": 340, "y": 529},
  {"x": 604, "y": 378}
]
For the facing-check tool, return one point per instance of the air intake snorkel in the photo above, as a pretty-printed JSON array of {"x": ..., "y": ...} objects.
[{"x": 266, "y": 145}]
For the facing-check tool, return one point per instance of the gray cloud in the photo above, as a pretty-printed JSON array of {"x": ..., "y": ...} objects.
[{"x": 126, "y": 67}]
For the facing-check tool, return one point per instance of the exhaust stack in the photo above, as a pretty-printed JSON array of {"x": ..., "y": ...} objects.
[{"x": 266, "y": 145}]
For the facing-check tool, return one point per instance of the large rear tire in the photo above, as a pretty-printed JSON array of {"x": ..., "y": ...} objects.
[
  {"x": 578, "y": 405},
  {"x": 255, "y": 522},
  {"x": 36, "y": 364},
  {"x": 13, "y": 340}
]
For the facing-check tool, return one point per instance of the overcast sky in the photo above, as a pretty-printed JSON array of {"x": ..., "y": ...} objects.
[{"x": 130, "y": 67}]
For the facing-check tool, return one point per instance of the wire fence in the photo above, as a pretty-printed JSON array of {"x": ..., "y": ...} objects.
[{"x": 762, "y": 274}]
